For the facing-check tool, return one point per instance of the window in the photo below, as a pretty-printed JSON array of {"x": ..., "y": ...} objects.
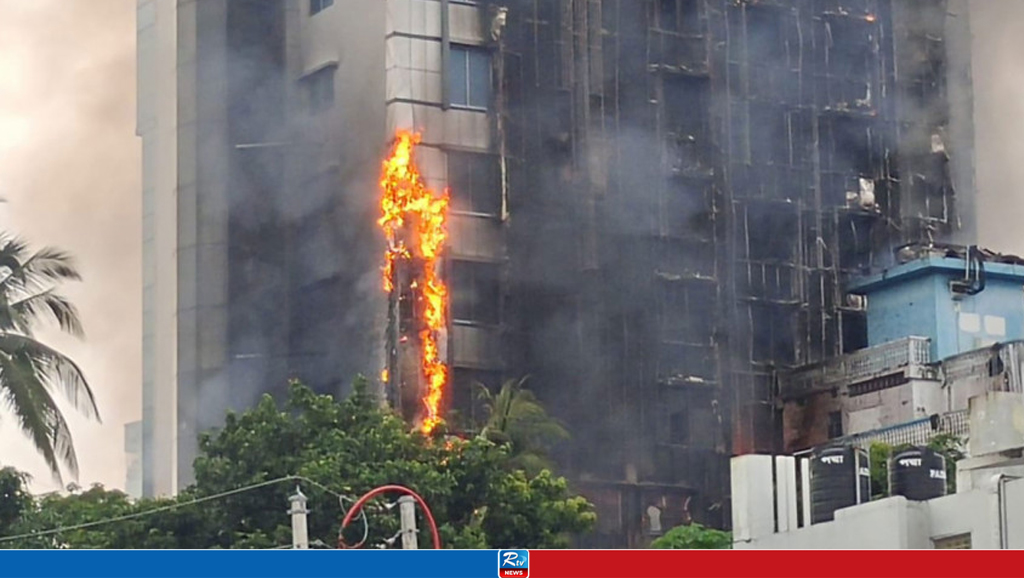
[
  {"x": 320, "y": 85},
  {"x": 835, "y": 424},
  {"x": 466, "y": 400},
  {"x": 679, "y": 427},
  {"x": 958, "y": 542},
  {"x": 318, "y": 5},
  {"x": 475, "y": 292},
  {"x": 475, "y": 183},
  {"x": 470, "y": 77}
]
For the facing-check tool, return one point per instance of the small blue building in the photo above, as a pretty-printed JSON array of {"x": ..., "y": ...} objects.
[{"x": 961, "y": 298}]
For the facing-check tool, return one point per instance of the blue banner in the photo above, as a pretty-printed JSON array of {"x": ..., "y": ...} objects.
[{"x": 249, "y": 563}]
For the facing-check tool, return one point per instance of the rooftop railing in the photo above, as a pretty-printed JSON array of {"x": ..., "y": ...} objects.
[{"x": 911, "y": 355}]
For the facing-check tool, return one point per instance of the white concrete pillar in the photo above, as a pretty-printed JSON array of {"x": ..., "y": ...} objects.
[
  {"x": 785, "y": 494},
  {"x": 407, "y": 511},
  {"x": 753, "y": 500},
  {"x": 300, "y": 529}
]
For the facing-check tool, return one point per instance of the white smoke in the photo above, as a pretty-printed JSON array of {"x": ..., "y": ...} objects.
[
  {"x": 998, "y": 30},
  {"x": 69, "y": 169}
]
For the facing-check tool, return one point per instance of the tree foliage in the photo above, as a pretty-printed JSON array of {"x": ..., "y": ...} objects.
[
  {"x": 693, "y": 537},
  {"x": 952, "y": 448},
  {"x": 32, "y": 374},
  {"x": 879, "y": 454},
  {"x": 947, "y": 445},
  {"x": 345, "y": 448},
  {"x": 515, "y": 417}
]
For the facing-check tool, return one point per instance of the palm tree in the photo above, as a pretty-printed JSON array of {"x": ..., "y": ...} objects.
[
  {"x": 30, "y": 371},
  {"x": 515, "y": 416}
]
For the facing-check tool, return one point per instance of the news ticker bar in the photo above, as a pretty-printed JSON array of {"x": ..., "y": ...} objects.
[{"x": 485, "y": 564}]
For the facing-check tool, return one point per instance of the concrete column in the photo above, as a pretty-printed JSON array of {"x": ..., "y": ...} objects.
[
  {"x": 785, "y": 496},
  {"x": 300, "y": 529},
  {"x": 407, "y": 510},
  {"x": 753, "y": 499}
]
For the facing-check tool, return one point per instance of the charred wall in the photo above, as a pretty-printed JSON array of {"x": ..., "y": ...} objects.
[
  {"x": 257, "y": 243},
  {"x": 692, "y": 182}
]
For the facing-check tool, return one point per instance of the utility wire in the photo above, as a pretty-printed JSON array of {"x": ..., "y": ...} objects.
[{"x": 170, "y": 507}]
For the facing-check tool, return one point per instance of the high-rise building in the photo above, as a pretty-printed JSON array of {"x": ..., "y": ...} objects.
[
  {"x": 656, "y": 205},
  {"x": 264, "y": 125},
  {"x": 694, "y": 182}
]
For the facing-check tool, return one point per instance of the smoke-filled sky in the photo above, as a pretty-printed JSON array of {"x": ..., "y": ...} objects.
[
  {"x": 998, "y": 27},
  {"x": 70, "y": 171},
  {"x": 70, "y": 164}
]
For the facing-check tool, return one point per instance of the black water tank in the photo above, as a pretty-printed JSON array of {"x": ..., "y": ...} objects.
[
  {"x": 840, "y": 478},
  {"x": 917, "y": 474}
]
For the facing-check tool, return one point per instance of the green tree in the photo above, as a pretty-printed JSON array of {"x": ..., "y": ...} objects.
[
  {"x": 693, "y": 537},
  {"x": 948, "y": 445},
  {"x": 879, "y": 454},
  {"x": 335, "y": 448},
  {"x": 952, "y": 448},
  {"x": 30, "y": 371},
  {"x": 517, "y": 418},
  {"x": 14, "y": 497}
]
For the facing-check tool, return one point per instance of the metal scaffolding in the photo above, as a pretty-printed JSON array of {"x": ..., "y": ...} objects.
[{"x": 690, "y": 183}]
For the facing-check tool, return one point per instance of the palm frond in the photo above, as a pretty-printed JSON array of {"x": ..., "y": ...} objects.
[
  {"x": 36, "y": 412},
  {"x": 46, "y": 304},
  {"x": 56, "y": 371},
  {"x": 31, "y": 372},
  {"x": 516, "y": 417},
  {"x": 26, "y": 273}
]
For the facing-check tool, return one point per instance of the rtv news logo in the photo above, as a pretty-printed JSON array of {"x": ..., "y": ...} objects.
[{"x": 513, "y": 563}]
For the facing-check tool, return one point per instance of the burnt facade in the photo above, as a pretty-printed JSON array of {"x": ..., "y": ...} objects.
[
  {"x": 691, "y": 183},
  {"x": 655, "y": 207}
]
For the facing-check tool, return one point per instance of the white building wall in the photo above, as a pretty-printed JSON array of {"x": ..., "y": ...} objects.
[
  {"x": 415, "y": 77},
  {"x": 881, "y": 525},
  {"x": 157, "y": 126},
  {"x": 1014, "y": 497},
  {"x": 895, "y": 523},
  {"x": 913, "y": 400},
  {"x": 992, "y": 514},
  {"x": 974, "y": 513}
]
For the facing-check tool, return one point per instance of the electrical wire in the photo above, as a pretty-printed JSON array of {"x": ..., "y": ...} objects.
[
  {"x": 191, "y": 502},
  {"x": 362, "y": 513},
  {"x": 389, "y": 488}
]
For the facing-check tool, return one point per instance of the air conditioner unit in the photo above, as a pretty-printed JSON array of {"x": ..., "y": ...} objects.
[{"x": 857, "y": 302}]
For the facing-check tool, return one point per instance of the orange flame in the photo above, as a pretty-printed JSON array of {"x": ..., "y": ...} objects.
[{"x": 411, "y": 211}]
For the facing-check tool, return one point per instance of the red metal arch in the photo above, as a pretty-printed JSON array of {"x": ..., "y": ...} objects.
[{"x": 354, "y": 510}]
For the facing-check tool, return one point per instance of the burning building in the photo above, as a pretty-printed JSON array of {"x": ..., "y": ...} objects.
[{"x": 652, "y": 207}]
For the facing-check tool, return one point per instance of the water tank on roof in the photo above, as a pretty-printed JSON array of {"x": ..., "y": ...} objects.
[
  {"x": 840, "y": 478},
  {"x": 917, "y": 474}
]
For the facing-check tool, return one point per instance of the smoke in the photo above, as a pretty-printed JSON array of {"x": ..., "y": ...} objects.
[
  {"x": 69, "y": 169},
  {"x": 999, "y": 122},
  {"x": 299, "y": 212}
]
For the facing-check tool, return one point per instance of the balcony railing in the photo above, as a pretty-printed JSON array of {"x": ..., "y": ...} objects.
[
  {"x": 918, "y": 432},
  {"x": 1003, "y": 362},
  {"x": 911, "y": 355}
]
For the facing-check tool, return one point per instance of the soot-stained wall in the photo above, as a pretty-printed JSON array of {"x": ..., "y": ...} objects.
[{"x": 693, "y": 181}]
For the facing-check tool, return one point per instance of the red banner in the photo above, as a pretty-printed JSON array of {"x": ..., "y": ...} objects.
[{"x": 775, "y": 563}]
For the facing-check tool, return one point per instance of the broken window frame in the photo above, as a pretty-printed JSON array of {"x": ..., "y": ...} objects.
[
  {"x": 480, "y": 195},
  {"x": 466, "y": 291}
]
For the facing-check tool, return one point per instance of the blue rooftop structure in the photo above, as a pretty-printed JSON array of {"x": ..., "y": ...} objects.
[{"x": 960, "y": 300}]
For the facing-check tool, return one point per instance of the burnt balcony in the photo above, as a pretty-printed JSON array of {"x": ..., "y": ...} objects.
[{"x": 909, "y": 357}]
